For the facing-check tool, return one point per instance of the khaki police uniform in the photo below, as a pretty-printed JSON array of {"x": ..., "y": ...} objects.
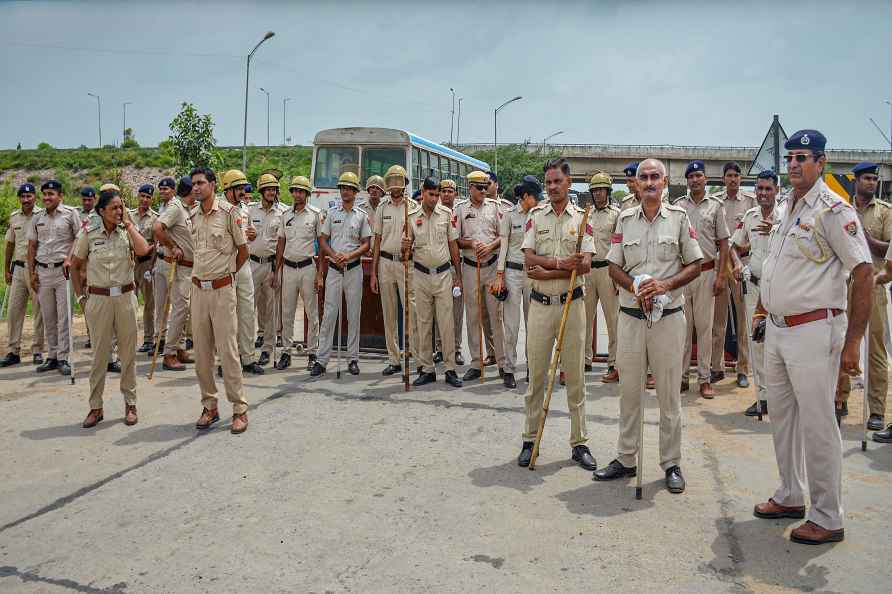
[
  {"x": 176, "y": 220},
  {"x": 708, "y": 221},
  {"x": 388, "y": 224},
  {"x": 143, "y": 272},
  {"x": 345, "y": 230},
  {"x": 20, "y": 289},
  {"x": 244, "y": 297},
  {"x": 458, "y": 305},
  {"x": 55, "y": 234},
  {"x": 110, "y": 309},
  {"x": 262, "y": 250},
  {"x": 816, "y": 244},
  {"x": 300, "y": 229},
  {"x": 599, "y": 286},
  {"x": 660, "y": 248},
  {"x": 480, "y": 223},
  {"x": 217, "y": 236},
  {"x": 734, "y": 210},
  {"x": 511, "y": 264},
  {"x": 550, "y": 235},
  {"x": 431, "y": 234}
]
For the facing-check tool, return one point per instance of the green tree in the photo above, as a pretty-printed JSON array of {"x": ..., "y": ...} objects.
[
  {"x": 129, "y": 139},
  {"x": 192, "y": 139},
  {"x": 516, "y": 161}
]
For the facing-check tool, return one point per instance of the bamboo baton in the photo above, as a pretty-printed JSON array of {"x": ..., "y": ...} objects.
[
  {"x": 865, "y": 356},
  {"x": 556, "y": 355},
  {"x": 164, "y": 313},
  {"x": 406, "y": 304},
  {"x": 70, "y": 326},
  {"x": 481, "y": 311}
]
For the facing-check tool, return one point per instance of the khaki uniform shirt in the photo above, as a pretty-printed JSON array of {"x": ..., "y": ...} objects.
[
  {"x": 479, "y": 224},
  {"x": 745, "y": 234},
  {"x": 877, "y": 220},
  {"x": 216, "y": 236},
  {"x": 17, "y": 233},
  {"x": 603, "y": 222},
  {"x": 109, "y": 256},
  {"x": 735, "y": 207},
  {"x": 346, "y": 228},
  {"x": 301, "y": 230},
  {"x": 266, "y": 222},
  {"x": 511, "y": 232},
  {"x": 144, "y": 223},
  {"x": 811, "y": 251},
  {"x": 660, "y": 248},
  {"x": 88, "y": 219},
  {"x": 54, "y": 233},
  {"x": 432, "y": 234},
  {"x": 388, "y": 223},
  {"x": 372, "y": 211},
  {"x": 550, "y": 235},
  {"x": 176, "y": 219},
  {"x": 708, "y": 219}
]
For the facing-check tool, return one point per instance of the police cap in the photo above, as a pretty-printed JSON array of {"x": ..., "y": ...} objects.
[
  {"x": 168, "y": 182},
  {"x": 51, "y": 184},
  {"x": 88, "y": 192},
  {"x": 865, "y": 167},
  {"x": 146, "y": 189},
  {"x": 184, "y": 187},
  {"x": 694, "y": 166},
  {"x": 27, "y": 188},
  {"x": 631, "y": 169},
  {"x": 807, "y": 139}
]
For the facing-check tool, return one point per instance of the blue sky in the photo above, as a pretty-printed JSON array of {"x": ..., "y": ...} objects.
[{"x": 686, "y": 73}]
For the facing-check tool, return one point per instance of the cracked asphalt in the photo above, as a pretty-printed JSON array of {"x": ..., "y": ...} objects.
[{"x": 353, "y": 485}]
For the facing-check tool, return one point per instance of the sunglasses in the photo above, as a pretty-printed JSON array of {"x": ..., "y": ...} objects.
[
  {"x": 480, "y": 186},
  {"x": 800, "y": 158}
]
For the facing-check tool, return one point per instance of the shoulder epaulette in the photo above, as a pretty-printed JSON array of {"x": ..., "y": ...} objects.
[
  {"x": 539, "y": 206},
  {"x": 312, "y": 208},
  {"x": 19, "y": 211},
  {"x": 676, "y": 208}
]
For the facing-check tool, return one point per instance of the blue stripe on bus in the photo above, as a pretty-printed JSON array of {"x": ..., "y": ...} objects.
[{"x": 447, "y": 151}]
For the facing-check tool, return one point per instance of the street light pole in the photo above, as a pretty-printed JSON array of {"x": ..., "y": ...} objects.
[
  {"x": 458, "y": 127},
  {"x": 284, "y": 101},
  {"x": 124, "y": 129},
  {"x": 549, "y": 137},
  {"x": 247, "y": 83},
  {"x": 890, "y": 123},
  {"x": 262, "y": 90},
  {"x": 99, "y": 110},
  {"x": 495, "y": 128},
  {"x": 452, "y": 115}
]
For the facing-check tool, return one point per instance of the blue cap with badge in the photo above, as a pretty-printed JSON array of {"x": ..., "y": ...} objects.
[
  {"x": 88, "y": 192},
  {"x": 168, "y": 182},
  {"x": 694, "y": 166},
  {"x": 146, "y": 189},
  {"x": 865, "y": 167},
  {"x": 27, "y": 188},
  {"x": 51, "y": 184},
  {"x": 811, "y": 140},
  {"x": 631, "y": 170},
  {"x": 184, "y": 188}
]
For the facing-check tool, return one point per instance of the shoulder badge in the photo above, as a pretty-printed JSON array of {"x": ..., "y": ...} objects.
[{"x": 851, "y": 228}]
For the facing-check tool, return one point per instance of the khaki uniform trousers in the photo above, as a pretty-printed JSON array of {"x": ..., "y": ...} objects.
[
  {"x": 144, "y": 286},
  {"x": 55, "y": 309},
  {"x": 656, "y": 348},
  {"x": 472, "y": 306},
  {"x": 391, "y": 287},
  {"x": 19, "y": 293},
  {"x": 458, "y": 324},
  {"x": 517, "y": 302},
  {"x": 300, "y": 282},
  {"x": 159, "y": 286},
  {"x": 337, "y": 287},
  {"x": 214, "y": 328},
  {"x": 264, "y": 302},
  {"x": 179, "y": 306},
  {"x": 877, "y": 365},
  {"x": 758, "y": 363},
  {"x": 733, "y": 290},
  {"x": 698, "y": 312},
  {"x": 109, "y": 317},
  {"x": 544, "y": 324},
  {"x": 599, "y": 287},
  {"x": 244, "y": 312},
  {"x": 433, "y": 296},
  {"x": 801, "y": 366}
]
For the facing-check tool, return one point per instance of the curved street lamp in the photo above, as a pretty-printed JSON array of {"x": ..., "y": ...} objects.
[
  {"x": 495, "y": 128},
  {"x": 98, "y": 109},
  {"x": 247, "y": 83},
  {"x": 284, "y": 101},
  {"x": 549, "y": 137}
]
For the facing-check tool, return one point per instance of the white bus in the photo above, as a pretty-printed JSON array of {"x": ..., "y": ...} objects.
[{"x": 371, "y": 151}]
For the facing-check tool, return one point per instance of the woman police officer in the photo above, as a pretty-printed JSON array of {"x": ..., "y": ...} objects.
[{"x": 108, "y": 248}]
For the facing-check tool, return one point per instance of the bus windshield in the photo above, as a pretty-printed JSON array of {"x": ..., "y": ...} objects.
[
  {"x": 376, "y": 161},
  {"x": 332, "y": 161}
]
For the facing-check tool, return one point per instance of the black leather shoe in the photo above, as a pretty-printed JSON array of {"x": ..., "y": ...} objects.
[
  {"x": 716, "y": 376},
  {"x": 258, "y": 342},
  {"x": 613, "y": 471},
  {"x": 64, "y": 368},
  {"x": 311, "y": 360},
  {"x": 742, "y": 381},
  {"x": 219, "y": 371},
  {"x": 588, "y": 368},
  {"x": 489, "y": 361},
  {"x": 501, "y": 373},
  {"x": 471, "y": 374},
  {"x": 146, "y": 347},
  {"x": 13, "y": 359},
  {"x": 189, "y": 344},
  {"x": 254, "y": 368},
  {"x": 438, "y": 357},
  {"x": 284, "y": 362},
  {"x": 353, "y": 368},
  {"x": 584, "y": 458},
  {"x": 685, "y": 385},
  {"x": 452, "y": 379},
  {"x": 527, "y": 377},
  {"x": 264, "y": 359},
  {"x": 114, "y": 367},
  {"x": 48, "y": 365},
  {"x": 459, "y": 360},
  {"x": 317, "y": 370},
  {"x": 425, "y": 378},
  {"x": 392, "y": 369},
  {"x": 37, "y": 359},
  {"x": 278, "y": 342},
  {"x": 875, "y": 423},
  {"x": 752, "y": 412},
  {"x": 88, "y": 345},
  {"x": 842, "y": 411},
  {"x": 526, "y": 454},
  {"x": 674, "y": 480},
  {"x": 884, "y": 436},
  {"x": 508, "y": 381}
]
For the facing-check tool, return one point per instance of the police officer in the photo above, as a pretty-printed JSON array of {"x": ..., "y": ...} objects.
[
  {"x": 735, "y": 203},
  {"x": 107, "y": 249},
  {"x": 630, "y": 200},
  {"x": 144, "y": 219},
  {"x": 160, "y": 268},
  {"x": 220, "y": 250},
  {"x": 50, "y": 237},
  {"x": 388, "y": 274},
  {"x": 708, "y": 220},
  {"x": 184, "y": 191},
  {"x": 549, "y": 247},
  {"x": 266, "y": 216},
  {"x": 653, "y": 255},
  {"x": 343, "y": 240},
  {"x": 234, "y": 183},
  {"x": 18, "y": 281},
  {"x": 432, "y": 240},
  {"x": 449, "y": 199},
  {"x": 477, "y": 222},
  {"x": 816, "y": 244},
  {"x": 376, "y": 188},
  {"x": 173, "y": 230},
  {"x": 85, "y": 211},
  {"x": 299, "y": 273}
]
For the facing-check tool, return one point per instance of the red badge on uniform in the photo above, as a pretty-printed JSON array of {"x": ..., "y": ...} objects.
[
  {"x": 851, "y": 228},
  {"x": 589, "y": 230},
  {"x": 691, "y": 232},
  {"x": 500, "y": 215},
  {"x": 454, "y": 221},
  {"x": 740, "y": 224},
  {"x": 529, "y": 225},
  {"x": 616, "y": 238},
  {"x": 418, "y": 222},
  {"x": 238, "y": 221}
]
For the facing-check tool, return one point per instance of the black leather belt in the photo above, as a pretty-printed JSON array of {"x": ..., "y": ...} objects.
[
  {"x": 18, "y": 263},
  {"x": 637, "y": 313},
  {"x": 392, "y": 257},
  {"x": 754, "y": 280},
  {"x": 553, "y": 299},
  {"x": 600, "y": 264},
  {"x": 141, "y": 259},
  {"x": 514, "y": 266},
  {"x": 262, "y": 260},
  {"x": 437, "y": 270},
  {"x": 473, "y": 263},
  {"x": 349, "y": 266},
  {"x": 50, "y": 265},
  {"x": 301, "y": 264}
]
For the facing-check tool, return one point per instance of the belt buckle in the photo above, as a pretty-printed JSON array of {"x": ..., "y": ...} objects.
[
  {"x": 778, "y": 321},
  {"x": 546, "y": 299},
  {"x": 114, "y": 292},
  {"x": 206, "y": 285}
]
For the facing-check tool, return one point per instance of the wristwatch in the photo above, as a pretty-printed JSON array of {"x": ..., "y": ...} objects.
[{"x": 83, "y": 298}]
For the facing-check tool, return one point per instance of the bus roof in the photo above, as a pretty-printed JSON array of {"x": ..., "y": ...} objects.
[{"x": 364, "y": 135}]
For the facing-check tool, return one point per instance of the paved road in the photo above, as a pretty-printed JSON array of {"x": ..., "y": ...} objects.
[{"x": 356, "y": 486}]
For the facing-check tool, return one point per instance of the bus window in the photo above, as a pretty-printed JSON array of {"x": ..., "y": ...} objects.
[
  {"x": 416, "y": 167},
  {"x": 434, "y": 169},
  {"x": 376, "y": 161},
  {"x": 332, "y": 161}
]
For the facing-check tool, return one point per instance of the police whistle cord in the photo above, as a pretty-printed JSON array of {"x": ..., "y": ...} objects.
[
  {"x": 164, "y": 313},
  {"x": 407, "y": 302},
  {"x": 70, "y": 326},
  {"x": 556, "y": 354}
]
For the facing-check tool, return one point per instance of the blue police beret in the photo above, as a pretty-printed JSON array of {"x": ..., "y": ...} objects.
[
  {"x": 768, "y": 174},
  {"x": 416, "y": 194},
  {"x": 493, "y": 176},
  {"x": 88, "y": 192},
  {"x": 167, "y": 182},
  {"x": 184, "y": 187},
  {"x": 146, "y": 189},
  {"x": 865, "y": 167},
  {"x": 249, "y": 188},
  {"x": 631, "y": 169},
  {"x": 696, "y": 165},
  {"x": 51, "y": 184},
  {"x": 27, "y": 189},
  {"x": 806, "y": 139}
]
